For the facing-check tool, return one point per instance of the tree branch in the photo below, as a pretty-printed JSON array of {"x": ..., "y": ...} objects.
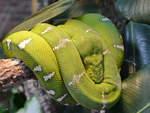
[{"x": 13, "y": 72}]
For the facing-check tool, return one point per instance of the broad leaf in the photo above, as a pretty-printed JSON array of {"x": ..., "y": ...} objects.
[
  {"x": 137, "y": 10},
  {"x": 32, "y": 105},
  {"x": 84, "y": 6},
  {"x": 135, "y": 97},
  {"x": 43, "y": 15},
  {"x": 137, "y": 44},
  {"x": 80, "y": 7}
]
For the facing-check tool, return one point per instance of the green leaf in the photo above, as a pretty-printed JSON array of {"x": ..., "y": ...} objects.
[
  {"x": 80, "y": 7},
  {"x": 137, "y": 44},
  {"x": 84, "y": 6},
  {"x": 32, "y": 105},
  {"x": 137, "y": 10},
  {"x": 3, "y": 109},
  {"x": 136, "y": 89},
  {"x": 135, "y": 97},
  {"x": 43, "y": 15}
]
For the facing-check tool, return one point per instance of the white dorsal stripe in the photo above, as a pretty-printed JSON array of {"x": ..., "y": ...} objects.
[
  {"x": 8, "y": 44},
  {"x": 51, "y": 92},
  {"x": 49, "y": 76},
  {"x": 105, "y": 19},
  {"x": 103, "y": 100},
  {"x": 76, "y": 79},
  {"x": 37, "y": 68},
  {"x": 61, "y": 44},
  {"x": 61, "y": 98},
  {"x": 46, "y": 30},
  {"x": 119, "y": 47},
  {"x": 23, "y": 44}
]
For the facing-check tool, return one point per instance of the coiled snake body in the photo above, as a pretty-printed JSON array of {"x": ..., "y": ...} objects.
[{"x": 74, "y": 62}]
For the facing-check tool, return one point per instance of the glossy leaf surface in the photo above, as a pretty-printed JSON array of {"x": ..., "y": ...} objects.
[
  {"x": 137, "y": 44},
  {"x": 135, "y": 96},
  {"x": 137, "y": 10},
  {"x": 79, "y": 8},
  {"x": 84, "y": 6}
]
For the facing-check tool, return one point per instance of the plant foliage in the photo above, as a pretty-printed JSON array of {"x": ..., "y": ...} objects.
[
  {"x": 136, "y": 10},
  {"x": 137, "y": 44}
]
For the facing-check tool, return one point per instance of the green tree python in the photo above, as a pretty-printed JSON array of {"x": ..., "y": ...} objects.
[{"x": 76, "y": 62}]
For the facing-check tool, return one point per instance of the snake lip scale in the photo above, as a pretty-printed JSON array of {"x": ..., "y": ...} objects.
[{"x": 76, "y": 62}]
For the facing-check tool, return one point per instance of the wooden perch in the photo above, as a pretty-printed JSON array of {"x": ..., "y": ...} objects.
[{"x": 13, "y": 72}]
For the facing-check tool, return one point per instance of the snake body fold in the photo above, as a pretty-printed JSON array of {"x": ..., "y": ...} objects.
[{"x": 73, "y": 61}]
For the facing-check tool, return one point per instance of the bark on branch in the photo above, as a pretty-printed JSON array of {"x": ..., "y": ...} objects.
[{"x": 12, "y": 73}]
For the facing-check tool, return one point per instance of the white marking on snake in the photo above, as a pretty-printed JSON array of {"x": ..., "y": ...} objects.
[
  {"x": 105, "y": 19},
  {"x": 46, "y": 30},
  {"x": 49, "y": 76},
  {"x": 119, "y": 47},
  {"x": 76, "y": 79},
  {"x": 8, "y": 44},
  {"x": 61, "y": 44},
  {"x": 106, "y": 52},
  {"x": 103, "y": 100},
  {"x": 23, "y": 44},
  {"x": 37, "y": 68},
  {"x": 51, "y": 92},
  {"x": 61, "y": 98},
  {"x": 88, "y": 30}
]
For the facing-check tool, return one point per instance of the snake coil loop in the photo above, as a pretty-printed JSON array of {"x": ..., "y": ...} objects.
[{"x": 76, "y": 62}]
